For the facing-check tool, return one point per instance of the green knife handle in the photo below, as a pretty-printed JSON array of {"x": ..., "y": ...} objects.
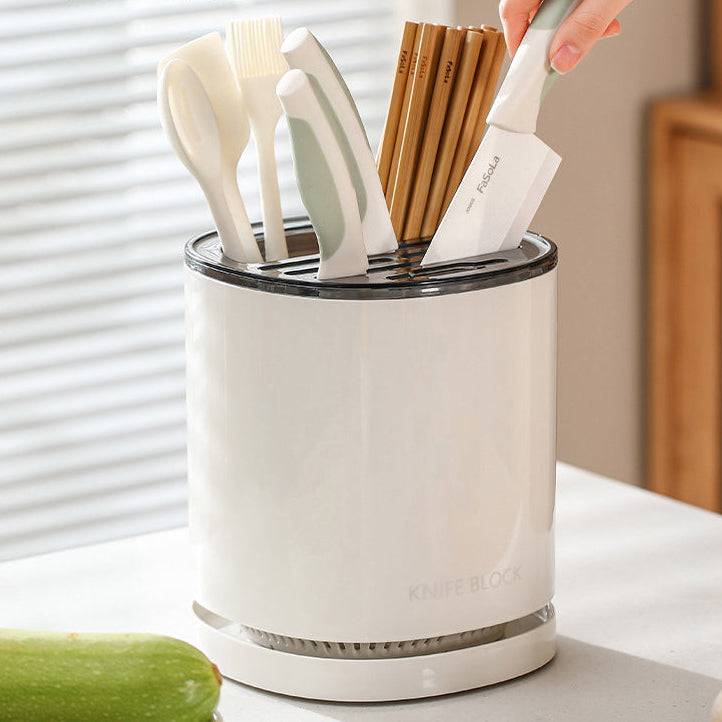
[
  {"x": 530, "y": 75},
  {"x": 322, "y": 174}
]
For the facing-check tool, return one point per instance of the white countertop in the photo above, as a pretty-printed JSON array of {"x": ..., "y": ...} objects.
[{"x": 639, "y": 614}]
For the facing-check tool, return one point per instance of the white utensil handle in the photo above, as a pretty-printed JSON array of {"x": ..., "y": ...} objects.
[
  {"x": 234, "y": 228},
  {"x": 264, "y": 111},
  {"x": 203, "y": 158},
  {"x": 273, "y": 231},
  {"x": 530, "y": 75},
  {"x": 324, "y": 182}
]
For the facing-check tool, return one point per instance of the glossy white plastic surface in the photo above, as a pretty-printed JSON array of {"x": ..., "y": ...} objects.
[{"x": 372, "y": 470}]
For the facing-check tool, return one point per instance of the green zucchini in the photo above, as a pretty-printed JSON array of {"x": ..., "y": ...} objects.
[{"x": 63, "y": 677}]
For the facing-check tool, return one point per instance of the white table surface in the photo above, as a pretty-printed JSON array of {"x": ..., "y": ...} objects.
[{"x": 639, "y": 612}]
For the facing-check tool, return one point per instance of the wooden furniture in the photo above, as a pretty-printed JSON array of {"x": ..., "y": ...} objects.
[
  {"x": 684, "y": 410},
  {"x": 715, "y": 21}
]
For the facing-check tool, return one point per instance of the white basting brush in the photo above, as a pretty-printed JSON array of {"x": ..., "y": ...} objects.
[{"x": 254, "y": 50}]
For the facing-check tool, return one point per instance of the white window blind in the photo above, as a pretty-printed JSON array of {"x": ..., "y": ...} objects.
[{"x": 94, "y": 212}]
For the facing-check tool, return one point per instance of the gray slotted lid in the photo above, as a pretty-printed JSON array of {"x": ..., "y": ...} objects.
[{"x": 390, "y": 275}]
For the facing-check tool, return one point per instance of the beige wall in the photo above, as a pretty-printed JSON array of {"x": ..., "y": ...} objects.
[{"x": 595, "y": 118}]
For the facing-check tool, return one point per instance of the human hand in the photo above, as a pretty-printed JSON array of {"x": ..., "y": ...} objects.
[{"x": 592, "y": 20}]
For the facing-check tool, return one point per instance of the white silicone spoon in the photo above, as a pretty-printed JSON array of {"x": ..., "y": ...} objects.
[{"x": 203, "y": 115}]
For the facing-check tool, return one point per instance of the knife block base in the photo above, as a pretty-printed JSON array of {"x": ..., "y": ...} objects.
[{"x": 527, "y": 645}]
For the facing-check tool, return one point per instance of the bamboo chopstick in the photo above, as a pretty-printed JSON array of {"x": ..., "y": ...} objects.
[
  {"x": 389, "y": 191},
  {"x": 452, "y": 127},
  {"x": 443, "y": 86},
  {"x": 458, "y": 165},
  {"x": 423, "y": 85},
  {"x": 489, "y": 91},
  {"x": 388, "y": 137}
]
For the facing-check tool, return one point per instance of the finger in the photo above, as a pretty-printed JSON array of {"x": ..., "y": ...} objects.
[
  {"x": 581, "y": 30},
  {"x": 514, "y": 15},
  {"x": 614, "y": 29}
]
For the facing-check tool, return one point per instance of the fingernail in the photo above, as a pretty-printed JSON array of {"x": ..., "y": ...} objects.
[{"x": 565, "y": 59}]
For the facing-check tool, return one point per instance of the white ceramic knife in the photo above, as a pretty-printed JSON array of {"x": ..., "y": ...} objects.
[
  {"x": 303, "y": 51},
  {"x": 512, "y": 169}
]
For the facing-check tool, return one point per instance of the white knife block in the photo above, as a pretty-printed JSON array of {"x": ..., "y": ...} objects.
[{"x": 372, "y": 470}]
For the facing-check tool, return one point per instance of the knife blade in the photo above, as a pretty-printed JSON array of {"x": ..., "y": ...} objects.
[{"x": 512, "y": 169}]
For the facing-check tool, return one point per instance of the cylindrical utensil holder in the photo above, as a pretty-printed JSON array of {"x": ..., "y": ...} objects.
[{"x": 372, "y": 468}]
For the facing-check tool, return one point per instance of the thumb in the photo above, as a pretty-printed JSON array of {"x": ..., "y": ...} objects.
[{"x": 592, "y": 20}]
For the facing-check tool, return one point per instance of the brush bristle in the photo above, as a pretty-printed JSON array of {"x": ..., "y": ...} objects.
[{"x": 255, "y": 47}]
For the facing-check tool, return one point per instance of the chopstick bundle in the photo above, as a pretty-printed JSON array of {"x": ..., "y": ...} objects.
[
  {"x": 443, "y": 85},
  {"x": 472, "y": 117},
  {"x": 388, "y": 137},
  {"x": 398, "y": 138},
  {"x": 470, "y": 52},
  {"x": 437, "y": 116},
  {"x": 416, "y": 117},
  {"x": 489, "y": 89}
]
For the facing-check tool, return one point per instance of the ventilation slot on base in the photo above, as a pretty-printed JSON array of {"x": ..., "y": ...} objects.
[{"x": 378, "y": 650}]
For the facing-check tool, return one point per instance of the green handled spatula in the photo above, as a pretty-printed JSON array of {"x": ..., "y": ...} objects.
[{"x": 512, "y": 169}]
